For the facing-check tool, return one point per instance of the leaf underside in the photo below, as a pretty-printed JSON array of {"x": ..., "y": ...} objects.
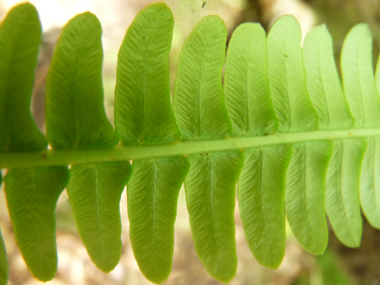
[
  {"x": 210, "y": 199},
  {"x": 75, "y": 82},
  {"x": 143, "y": 114},
  {"x": 342, "y": 190},
  {"x": 271, "y": 85},
  {"x": 4, "y": 267},
  {"x": 152, "y": 209},
  {"x": 32, "y": 195},
  {"x": 20, "y": 37},
  {"x": 369, "y": 182},
  {"x": 305, "y": 194},
  {"x": 94, "y": 191},
  {"x": 261, "y": 202}
]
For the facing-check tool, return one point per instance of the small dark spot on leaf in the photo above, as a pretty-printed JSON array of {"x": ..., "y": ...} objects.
[
  {"x": 266, "y": 134},
  {"x": 204, "y": 4}
]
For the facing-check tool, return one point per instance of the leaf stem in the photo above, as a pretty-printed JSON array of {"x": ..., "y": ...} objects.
[{"x": 123, "y": 153}]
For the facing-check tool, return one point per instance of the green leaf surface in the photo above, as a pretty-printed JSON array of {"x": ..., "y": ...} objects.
[
  {"x": 342, "y": 190},
  {"x": 94, "y": 191},
  {"x": 358, "y": 78},
  {"x": 342, "y": 204},
  {"x": 4, "y": 267},
  {"x": 305, "y": 194},
  {"x": 75, "y": 117},
  {"x": 143, "y": 114},
  {"x": 261, "y": 202},
  {"x": 287, "y": 80},
  {"x": 369, "y": 184},
  {"x": 377, "y": 76},
  {"x": 32, "y": 196},
  {"x": 246, "y": 85},
  {"x": 267, "y": 83},
  {"x": 210, "y": 198},
  {"x": 307, "y": 170},
  {"x": 152, "y": 206},
  {"x": 323, "y": 83},
  {"x": 198, "y": 101},
  {"x": 20, "y": 38}
]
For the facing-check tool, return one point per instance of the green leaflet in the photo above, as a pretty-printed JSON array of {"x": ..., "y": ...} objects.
[
  {"x": 32, "y": 196},
  {"x": 94, "y": 191},
  {"x": 306, "y": 173},
  {"x": 369, "y": 184},
  {"x": 75, "y": 117},
  {"x": 369, "y": 189},
  {"x": 31, "y": 193},
  {"x": 152, "y": 207},
  {"x": 342, "y": 190},
  {"x": 4, "y": 268},
  {"x": 261, "y": 198},
  {"x": 261, "y": 202},
  {"x": 20, "y": 37},
  {"x": 360, "y": 91},
  {"x": 323, "y": 82},
  {"x": 210, "y": 198},
  {"x": 342, "y": 204},
  {"x": 358, "y": 79},
  {"x": 143, "y": 112},
  {"x": 246, "y": 85},
  {"x": 201, "y": 114},
  {"x": 198, "y": 101},
  {"x": 287, "y": 77},
  {"x": 377, "y": 76},
  {"x": 305, "y": 194},
  {"x": 143, "y": 116}
]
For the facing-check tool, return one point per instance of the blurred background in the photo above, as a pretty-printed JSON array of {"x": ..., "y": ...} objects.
[{"x": 339, "y": 264}]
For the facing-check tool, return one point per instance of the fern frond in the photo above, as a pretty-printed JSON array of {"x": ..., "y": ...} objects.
[{"x": 280, "y": 126}]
